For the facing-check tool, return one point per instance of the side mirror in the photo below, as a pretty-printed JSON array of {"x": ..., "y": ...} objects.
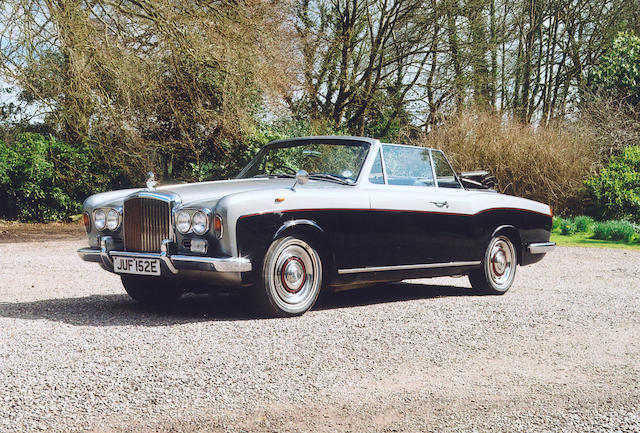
[{"x": 302, "y": 177}]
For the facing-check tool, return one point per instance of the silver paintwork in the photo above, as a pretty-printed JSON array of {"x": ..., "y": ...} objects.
[
  {"x": 407, "y": 267},
  {"x": 542, "y": 247}
]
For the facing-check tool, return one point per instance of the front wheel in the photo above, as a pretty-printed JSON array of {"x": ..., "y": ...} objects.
[
  {"x": 291, "y": 278},
  {"x": 150, "y": 290},
  {"x": 498, "y": 267}
]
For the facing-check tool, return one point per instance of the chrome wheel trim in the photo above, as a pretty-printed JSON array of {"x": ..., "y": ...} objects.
[
  {"x": 295, "y": 276},
  {"x": 501, "y": 262}
]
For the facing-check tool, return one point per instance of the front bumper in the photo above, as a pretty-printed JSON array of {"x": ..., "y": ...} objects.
[{"x": 173, "y": 262}]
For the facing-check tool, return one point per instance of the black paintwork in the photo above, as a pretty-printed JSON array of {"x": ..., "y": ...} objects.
[{"x": 367, "y": 237}]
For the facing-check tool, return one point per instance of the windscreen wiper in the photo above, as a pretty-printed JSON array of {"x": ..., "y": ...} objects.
[
  {"x": 285, "y": 175},
  {"x": 330, "y": 177}
]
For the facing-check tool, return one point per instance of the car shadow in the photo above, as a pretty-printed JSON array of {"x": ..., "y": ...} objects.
[{"x": 120, "y": 310}]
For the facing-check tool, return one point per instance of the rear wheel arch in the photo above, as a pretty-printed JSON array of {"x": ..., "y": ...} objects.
[{"x": 513, "y": 234}]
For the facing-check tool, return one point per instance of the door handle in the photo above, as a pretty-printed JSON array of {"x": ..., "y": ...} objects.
[{"x": 441, "y": 204}]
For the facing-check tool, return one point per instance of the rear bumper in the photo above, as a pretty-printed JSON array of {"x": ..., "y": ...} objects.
[
  {"x": 541, "y": 247},
  {"x": 173, "y": 262}
]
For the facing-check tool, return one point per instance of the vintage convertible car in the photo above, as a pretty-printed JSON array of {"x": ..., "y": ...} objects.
[{"x": 307, "y": 213}]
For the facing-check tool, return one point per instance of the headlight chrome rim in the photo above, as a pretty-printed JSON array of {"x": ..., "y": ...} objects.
[
  {"x": 113, "y": 220},
  {"x": 100, "y": 219},
  {"x": 199, "y": 222},
  {"x": 183, "y": 221}
]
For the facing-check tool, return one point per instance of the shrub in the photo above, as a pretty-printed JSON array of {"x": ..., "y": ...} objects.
[
  {"x": 43, "y": 179},
  {"x": 583, "y": 223},
  {"x": 616, "y": 189},
  {"x": 547, "y": 164},
  {"x": 567, "y": 227},
  {"x": 614, "y": 230}
]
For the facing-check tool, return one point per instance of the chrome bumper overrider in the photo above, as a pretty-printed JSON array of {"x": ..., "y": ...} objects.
[
  {"x": 173, "y": 262},
  {"x": 542, "y": 247}
]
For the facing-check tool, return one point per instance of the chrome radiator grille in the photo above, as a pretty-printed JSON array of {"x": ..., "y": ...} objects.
[{"x": 147, "y": 222}]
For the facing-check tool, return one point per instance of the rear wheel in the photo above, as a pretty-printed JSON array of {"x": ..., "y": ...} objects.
[
  {"x": 291, "y": 278},
  {"x": 151, "y": 290},
  {"x": 498, "y": 267}
]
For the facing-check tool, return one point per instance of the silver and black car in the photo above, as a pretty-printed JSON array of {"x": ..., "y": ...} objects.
[{"x": 314, "y": 212}]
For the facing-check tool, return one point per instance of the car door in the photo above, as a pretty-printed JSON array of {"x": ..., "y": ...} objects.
[{"x": 417, "y": 222}]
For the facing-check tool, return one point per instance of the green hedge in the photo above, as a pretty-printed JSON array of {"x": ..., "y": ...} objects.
[{"x": 43, "y": 179}]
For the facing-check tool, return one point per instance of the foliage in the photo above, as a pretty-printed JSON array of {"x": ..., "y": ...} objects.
[
  {"x": 43, "y": 179},
  {"x": 572, "y": 225},
  {"x": 616, "y": 231},
  {"x": 547, "y": 164},
  {"x": 583, "y": 223},
  {"x": 616, "y": 189},
  {"x": 568, "y": 227},
  {"x": 153, "y": 84},
  {"x": 618, "y": 71}
]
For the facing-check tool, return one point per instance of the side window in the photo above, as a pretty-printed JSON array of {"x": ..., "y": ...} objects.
[
  {"x": 407, "y": 166},
  {"x": 377, "y": 176},
  {"x": 445, "y": 174}
]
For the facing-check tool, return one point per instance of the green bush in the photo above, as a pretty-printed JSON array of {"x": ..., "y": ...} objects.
[
  {"x": 43, "y": 179},
  {"x": 615, "y": 231},
  {"x": 583, "y": 223},
  {"x": 566, "y": 226},
  {"x": 616, "y": 189}
]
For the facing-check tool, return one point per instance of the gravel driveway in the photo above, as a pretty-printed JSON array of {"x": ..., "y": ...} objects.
[{"x": 559, "y": 352}]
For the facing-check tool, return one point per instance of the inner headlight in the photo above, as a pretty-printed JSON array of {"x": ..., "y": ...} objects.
[
  {"x": 100, "y": 219},
  {"x": 183, "y": 221},
  {"x": 200, "y": 223},
  {"x": 113, "y": 219}
]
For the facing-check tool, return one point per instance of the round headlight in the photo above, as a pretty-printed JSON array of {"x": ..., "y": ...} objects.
[
  {"x": 183, "y": 221},
  {"x": 113, "y": 219},
  {"x": 200, "y": 223},
  {"x": 100, "y": 219}
]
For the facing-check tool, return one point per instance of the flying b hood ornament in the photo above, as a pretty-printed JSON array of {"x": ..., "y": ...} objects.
[{"x": 151, "y": 181}]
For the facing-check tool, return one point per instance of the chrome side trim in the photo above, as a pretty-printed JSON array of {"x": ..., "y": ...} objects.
[
  {"x": 407, "y": 267},
  {"x": 541, "y": 247}
]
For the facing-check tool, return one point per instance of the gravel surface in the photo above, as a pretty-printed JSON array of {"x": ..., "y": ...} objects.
[{"x": 559, "y": 352}]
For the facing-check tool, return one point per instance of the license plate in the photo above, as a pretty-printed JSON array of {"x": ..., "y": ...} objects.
[{"x": 138, "y": 266}]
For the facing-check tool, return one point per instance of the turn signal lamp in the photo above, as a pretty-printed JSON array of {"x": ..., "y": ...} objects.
[{"x": 217, "y": 226}]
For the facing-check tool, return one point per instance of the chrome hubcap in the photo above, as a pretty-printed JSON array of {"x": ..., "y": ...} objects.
[
  {"x": 296, "y": 275},
  {"x": 293, "y": 274},
  {"x": 502, "y": 262},
  {"x": 499, "y": 261}
]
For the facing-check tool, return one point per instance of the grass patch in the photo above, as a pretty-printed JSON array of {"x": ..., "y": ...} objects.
[
  {"x": 583, "y": 240},
  {"x": 585, "y": 232}
]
